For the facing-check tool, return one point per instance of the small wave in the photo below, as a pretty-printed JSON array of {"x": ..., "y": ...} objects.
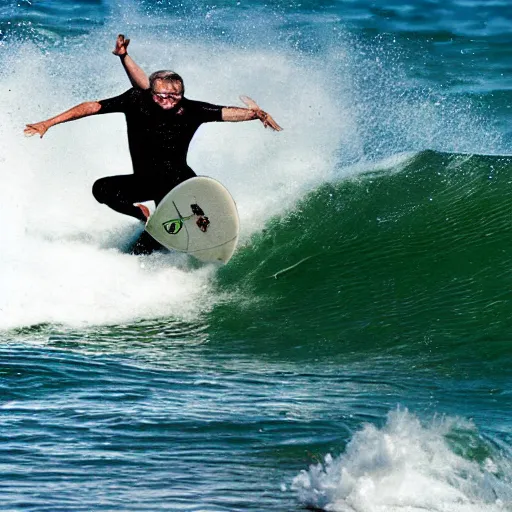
[{"x": 407, "y": 466}]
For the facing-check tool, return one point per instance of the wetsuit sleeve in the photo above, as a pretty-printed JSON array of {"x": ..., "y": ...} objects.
[
  {"x": 117, "y": 104},
  {"x": 207, "y": 112}
]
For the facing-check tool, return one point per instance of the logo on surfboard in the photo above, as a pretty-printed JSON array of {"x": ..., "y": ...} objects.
[{"x": 174, "y": 226}]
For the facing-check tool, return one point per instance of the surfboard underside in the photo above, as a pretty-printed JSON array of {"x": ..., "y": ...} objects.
[{"x": 198, "y": 217}]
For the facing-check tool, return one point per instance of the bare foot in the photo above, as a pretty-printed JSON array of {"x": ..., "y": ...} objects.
[{"x": 144, "y": 209}]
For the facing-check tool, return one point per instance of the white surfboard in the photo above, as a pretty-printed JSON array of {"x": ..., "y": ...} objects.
[{"x": 198, "y": 217}]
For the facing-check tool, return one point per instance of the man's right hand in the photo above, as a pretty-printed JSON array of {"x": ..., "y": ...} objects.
[
  {"x": 121, "y": 47},
  {"x": 37, "y": 128}
]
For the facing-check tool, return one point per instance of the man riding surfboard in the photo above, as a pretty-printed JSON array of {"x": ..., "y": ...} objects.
[{"x": 161, "y": 123}]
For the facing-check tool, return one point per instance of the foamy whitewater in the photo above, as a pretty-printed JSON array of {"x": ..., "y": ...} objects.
[{"x": 407, "y": 466}]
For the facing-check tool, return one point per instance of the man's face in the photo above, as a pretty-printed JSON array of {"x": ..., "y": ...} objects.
[{"x": 167, "y": 94}]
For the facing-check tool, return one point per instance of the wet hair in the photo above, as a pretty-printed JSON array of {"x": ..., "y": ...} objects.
[{"x": 166, "y": 75}]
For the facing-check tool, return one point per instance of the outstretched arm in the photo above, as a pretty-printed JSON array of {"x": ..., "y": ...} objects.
[
  {"x": 83, "y": 110},
  {"x": 235, "y": 114},
  {"x": 135, "y": 74}
]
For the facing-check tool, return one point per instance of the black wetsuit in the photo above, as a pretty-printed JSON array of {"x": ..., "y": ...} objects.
[{"x": 158, "y": 141}]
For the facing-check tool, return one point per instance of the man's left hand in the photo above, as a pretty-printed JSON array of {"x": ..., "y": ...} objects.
[
  {"x": 263, "y": 116},
  {"x": 267, "y": 120}
]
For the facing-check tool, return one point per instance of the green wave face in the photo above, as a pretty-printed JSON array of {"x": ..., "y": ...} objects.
[{"x": 412, "y": 262}]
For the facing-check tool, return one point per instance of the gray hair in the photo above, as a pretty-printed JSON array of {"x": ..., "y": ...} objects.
[{"x": 166, "y": 75}]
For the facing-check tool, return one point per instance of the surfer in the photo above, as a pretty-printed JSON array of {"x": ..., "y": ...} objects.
[{"x": 161, "y": 123}]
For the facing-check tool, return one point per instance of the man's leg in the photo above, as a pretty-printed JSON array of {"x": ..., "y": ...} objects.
[
  {"x": 120, "y": 192},
  {"x": 146, "y": 244}
]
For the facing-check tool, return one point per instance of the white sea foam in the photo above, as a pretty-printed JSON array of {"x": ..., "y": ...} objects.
[{"x": 406, "y": 467}]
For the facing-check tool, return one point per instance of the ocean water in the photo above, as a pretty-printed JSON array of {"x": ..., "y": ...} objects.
[{"x": 355, "y": 355}]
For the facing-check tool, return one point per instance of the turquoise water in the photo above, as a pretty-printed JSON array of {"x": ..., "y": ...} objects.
[{"x": 354, "y": 355}]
